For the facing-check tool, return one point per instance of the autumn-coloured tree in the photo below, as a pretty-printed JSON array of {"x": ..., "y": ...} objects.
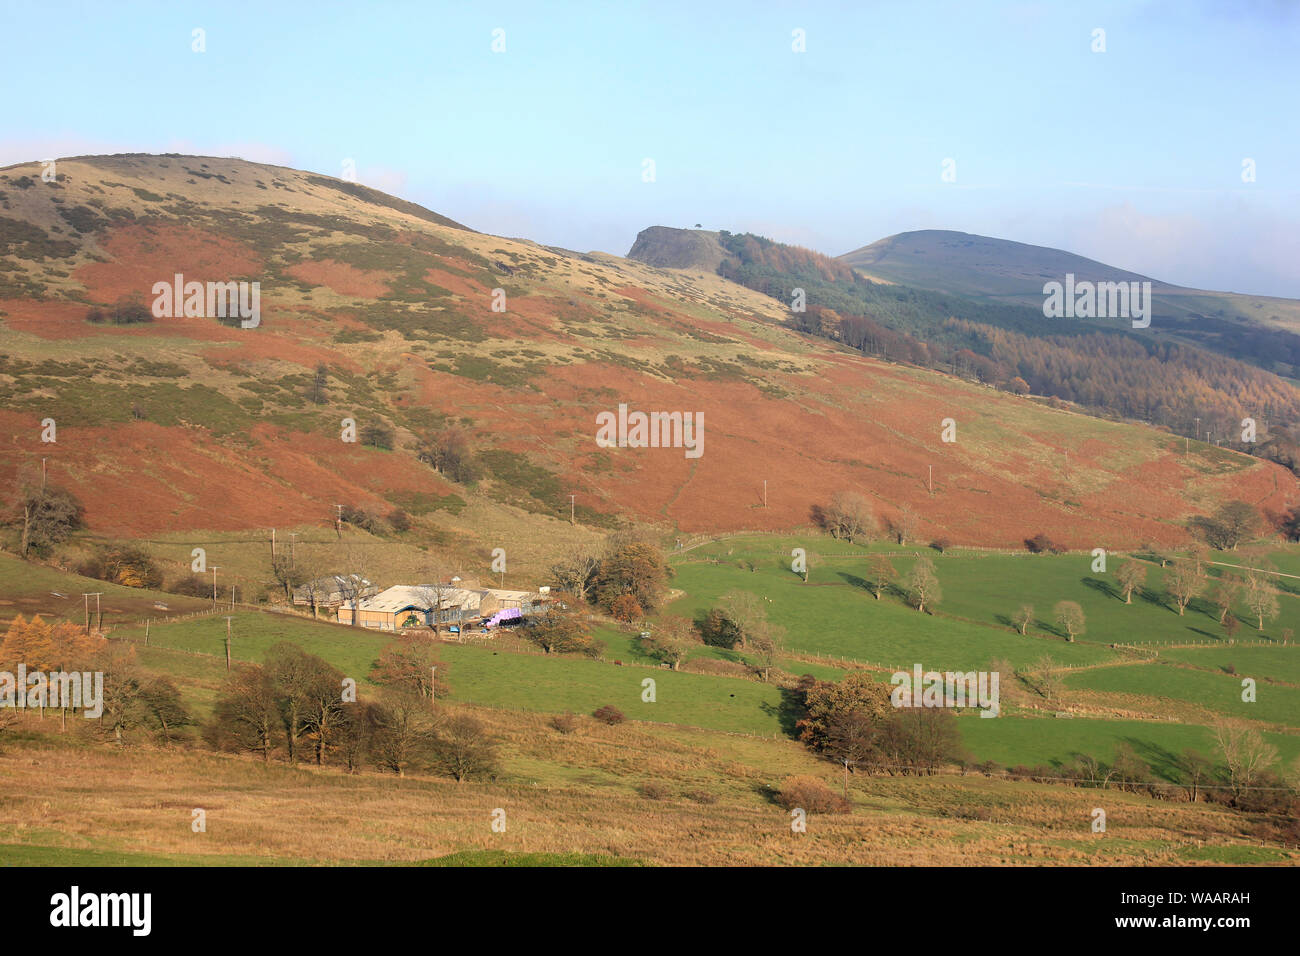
[
  {"x": 633, "y": 568},
  {"x": 562, "y": 631},
  {"x": 42, "y": 646},
  {"x": 1069, "y": 617},
  {"x": 625, "y": 608},
  {"x": 1131, "y": 575},
  {"x": 827, "y": 701}
]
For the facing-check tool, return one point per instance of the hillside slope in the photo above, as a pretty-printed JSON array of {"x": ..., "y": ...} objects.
[{"x": 185, "y": 423}]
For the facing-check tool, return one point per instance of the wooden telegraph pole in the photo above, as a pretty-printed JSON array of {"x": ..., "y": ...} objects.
[
  {"x": 571, "y": 499},
  {"x": 99, "y": 617},
  {"x": 228, "y": 620},
  {"x": 215, "y": 568}
]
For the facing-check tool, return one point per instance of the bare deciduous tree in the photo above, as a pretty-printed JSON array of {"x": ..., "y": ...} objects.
[
  {"x": 402, "y": 729},
  {"x": 575, "y": 572},
  {"x": 1049, "y": 677},
  {"x": 1069, "y": 617},
  {"x": 882, "y": 574},
  {"x": 245, "y": 715},
  {"x": 765, "y": 641},
  {"x": 850, "y": 516},
  {"x": 923, "y": 584},
  {"x": 1131, "y": 576},
  {"x": 1184, "y": 583},
  {"x": 745, "y": 610},
  {"x": 671, "y": 640},
  {"x": 1245, "y": 753},
  {"x": 1225, "y": 595},
  {"x": 1261, "y": 598},
  {"x": 904, "y": 526},
  {"x": 463, "y": 747}
]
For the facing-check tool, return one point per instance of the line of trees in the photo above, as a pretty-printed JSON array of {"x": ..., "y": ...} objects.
[
  {"x": 627, "y": 581},
  {"x": 299, "y": 704}
]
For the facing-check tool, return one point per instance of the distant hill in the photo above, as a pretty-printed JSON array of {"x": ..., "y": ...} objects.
[
  {"x": 1000, "y": 270},
  {"x": 669, "y": 248},
  {"x": 978, "y": 266},
  {"x": 974, "y": 307}
]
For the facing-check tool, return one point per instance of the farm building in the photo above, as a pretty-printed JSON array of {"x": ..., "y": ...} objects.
[
  {"x": 415, "y": 606},
  {"x": 333, "y": 591}
]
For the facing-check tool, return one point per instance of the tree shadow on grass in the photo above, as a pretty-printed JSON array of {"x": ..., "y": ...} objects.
[
  {"x": 1105, "y": 587},
  {"x": 1158, "y": 598},
  {"x": 1162, "y": 761},
  {"x": 788, "y": 712},
  {"x": 854, "y": 581}
]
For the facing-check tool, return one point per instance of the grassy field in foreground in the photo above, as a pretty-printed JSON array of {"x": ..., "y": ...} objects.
[{"x": 573, "y": 799}]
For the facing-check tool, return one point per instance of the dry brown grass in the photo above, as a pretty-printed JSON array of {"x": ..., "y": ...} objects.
[{"x": 580, "y": 792}]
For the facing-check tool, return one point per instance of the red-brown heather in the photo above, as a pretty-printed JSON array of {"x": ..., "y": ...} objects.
[{"x": 216, "y": 433}]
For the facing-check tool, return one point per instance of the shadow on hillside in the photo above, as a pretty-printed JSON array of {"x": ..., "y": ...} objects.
[
  {"x": 1105, "y": 587},
  {"x": 853, "y": 580},
  {"x": 788, "y": 712},
  {"x": 1163, "y": 762},
  {"x": 1158, "y": 598}
]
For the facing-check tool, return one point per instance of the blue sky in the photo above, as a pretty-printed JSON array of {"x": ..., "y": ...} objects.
[{"x": 1132, "y": 156}]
